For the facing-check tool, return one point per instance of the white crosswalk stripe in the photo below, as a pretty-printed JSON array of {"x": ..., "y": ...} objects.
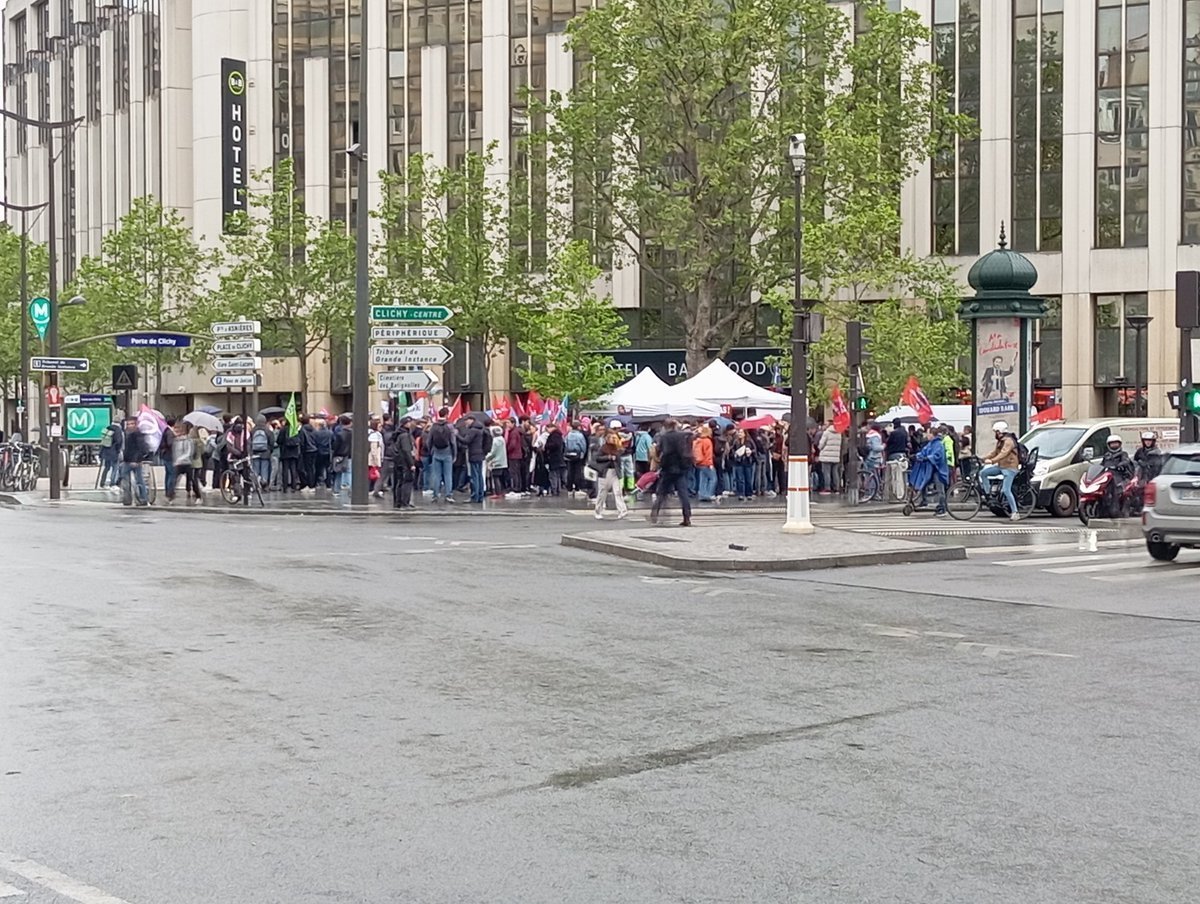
[{"x": 1110, "y": 566}]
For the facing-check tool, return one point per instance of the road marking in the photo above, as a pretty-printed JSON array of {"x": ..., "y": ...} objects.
[
  {"x": 7, "y": 891},
  {"x": 1101, "y": 566},
  {"x": 56, "y": 881},
  {"x": 1075, "y": 559}
]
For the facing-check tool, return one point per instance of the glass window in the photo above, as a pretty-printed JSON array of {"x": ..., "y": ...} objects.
[
  {"x": 1122, "y": 123},
  {"x": 1190, "y": 230}
]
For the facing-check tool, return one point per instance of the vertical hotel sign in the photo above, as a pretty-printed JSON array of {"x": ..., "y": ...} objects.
[{"x": 233, "y": 138}]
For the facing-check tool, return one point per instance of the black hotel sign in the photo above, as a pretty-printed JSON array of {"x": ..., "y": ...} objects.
[{"x": 233, "y": 137}]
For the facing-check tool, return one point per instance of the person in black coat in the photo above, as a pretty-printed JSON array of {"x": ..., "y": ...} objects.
[
  {"x": 404, "y": 465},
  {"x": 556, "y": 463}
]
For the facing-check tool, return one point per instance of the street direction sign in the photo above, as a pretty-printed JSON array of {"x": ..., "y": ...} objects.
[
  {"x": 411, "y": 332},
  {"x": 404, "y": 381},
  {"x": 237, "y": 328},
  {"x": 74, "y": 365},
  {"x": 411, "y": 313},
  {"x": 252, "y": 362},
  {"x": 410, "y": 354},
  {"x": 236, "y": 346},
  {"x": 230, "y": 381},
  {"x": 39, "y": 313},
  {"x": 154, "y": 340}
]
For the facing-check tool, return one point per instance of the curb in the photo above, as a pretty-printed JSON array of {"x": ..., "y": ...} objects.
[{"x": 916, "y": 555}]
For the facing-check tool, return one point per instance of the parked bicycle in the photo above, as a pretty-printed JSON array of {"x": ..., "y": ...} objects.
[
  {"x": 18, "y": 467},
  {"x": 870, "y": 483},
  {"x": 966, "y": 498}
]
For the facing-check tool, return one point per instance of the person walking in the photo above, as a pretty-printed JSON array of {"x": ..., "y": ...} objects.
[
  {"x": 443, "y": 449},
  {"x": 702, "y": 455},
  {"x": 133, "y": 453},
  {"x": 606, "y": 461},
  {"x": 575, "y": 450},
  {"x": 674, "y": 462},
  {"x": 404, "y": 465},
  {"x": 829, "y": 454},
  {"x": 112, "y": 441}
]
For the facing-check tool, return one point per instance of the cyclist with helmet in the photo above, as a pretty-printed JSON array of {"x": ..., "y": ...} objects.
[
  {"x": 1003, "y": 461},
  {"x": 1148, "y": 457}
]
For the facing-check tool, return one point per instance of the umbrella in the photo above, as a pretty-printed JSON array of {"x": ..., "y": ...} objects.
[
  {"x": 201, "y": 418},
  {"x": 480, "y": 418},
  {"x": 754, "y": 423},
  {"x": 210, "y": 409},
  {"x": 722, "y": 422},
  {"x": 273, "y": 411}
]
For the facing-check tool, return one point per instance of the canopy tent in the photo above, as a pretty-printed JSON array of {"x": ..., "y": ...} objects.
[
  {"x": 717, "y": 383},
  {"x": 957, "y": 416},
  {"x": 647, "y": 397}
]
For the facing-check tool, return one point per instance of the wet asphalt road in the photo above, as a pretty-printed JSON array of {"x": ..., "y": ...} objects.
[{"x": 302, "y": 710}]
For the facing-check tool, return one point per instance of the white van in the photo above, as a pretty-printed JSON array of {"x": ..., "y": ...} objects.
[{"x": 1064, "y": 449}]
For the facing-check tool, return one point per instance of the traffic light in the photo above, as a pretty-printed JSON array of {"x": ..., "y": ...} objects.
[
  {"x": 862, "y": 403},
  {"x": 1191, "y": 400}
]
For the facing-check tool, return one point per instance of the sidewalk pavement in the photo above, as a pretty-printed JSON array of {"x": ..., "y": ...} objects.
[{"x": 757, "y": 547}]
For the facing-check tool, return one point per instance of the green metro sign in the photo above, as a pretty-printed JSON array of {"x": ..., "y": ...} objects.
[
  {"x": 388, "y": 313},
  {"x": 39, "y": 313},
  {"x": 87, "y": 425}
]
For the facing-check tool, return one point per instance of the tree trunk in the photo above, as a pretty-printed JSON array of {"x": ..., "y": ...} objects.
[{"x": 699, "y": 327}]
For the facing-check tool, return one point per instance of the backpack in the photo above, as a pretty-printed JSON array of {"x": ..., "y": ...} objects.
[
  {"x": 259, "y": 441},
  {"x": 1022, "y": 450},
  {"x": 106, "y": 440},
  {"x": 439, "y": 436}
]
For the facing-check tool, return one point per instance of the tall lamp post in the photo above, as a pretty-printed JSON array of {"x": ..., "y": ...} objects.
[
  {"x": 23, "y": 396},
  {"x": 51, "y": 160},
  {"x": 798, "y": 498},
  {"x": 1139, "y": 322},
  {"x": 361, "y": 372}
]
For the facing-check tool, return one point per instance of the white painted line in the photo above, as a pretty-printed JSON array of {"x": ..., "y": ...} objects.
[
  {"x": 7, "y": 891},
  {"x": 1077, "y": 558},
  {"x": 56, "y": 881},
  {"x": 1140, "y": 562}
]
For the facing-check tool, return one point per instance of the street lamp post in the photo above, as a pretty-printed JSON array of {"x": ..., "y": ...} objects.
[
  {"x": 1139, "y": 322},
  {"x": 799, "y": 519},
  {"x": 51, "y": 378},
  {"x": 361, "y": 372},
  {"x": 23, "y": 395}
]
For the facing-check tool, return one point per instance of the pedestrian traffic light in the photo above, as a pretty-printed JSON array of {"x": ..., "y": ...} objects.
[
  {"x": 1191, "y": 400},
  {"x": 861, "y": 403}
]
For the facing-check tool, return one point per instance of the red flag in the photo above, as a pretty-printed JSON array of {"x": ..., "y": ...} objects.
[
  {"x": 534, "y": 404},
  {"x": 501, "y": 410},
  {"x": 457, "y": 411},
  {"x": 915, "y": 398},
  {"x": 841, "y": 414},
  {"x": 518, "y": 409}
]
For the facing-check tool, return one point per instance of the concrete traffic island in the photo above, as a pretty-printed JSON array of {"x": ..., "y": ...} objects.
[{"x": 756, "y": 547}]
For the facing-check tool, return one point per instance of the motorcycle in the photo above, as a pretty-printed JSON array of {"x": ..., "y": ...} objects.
[{"x": 1094, "y": 495}]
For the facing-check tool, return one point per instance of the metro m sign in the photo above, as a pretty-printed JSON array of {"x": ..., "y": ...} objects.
[{"x": 233, "y": 138}]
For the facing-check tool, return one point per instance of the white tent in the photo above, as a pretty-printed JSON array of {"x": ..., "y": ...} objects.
[
  {"x": 957, "y": 416},
  {"x": 647, "y": 396},
  {"x": 717, "y": 383}
]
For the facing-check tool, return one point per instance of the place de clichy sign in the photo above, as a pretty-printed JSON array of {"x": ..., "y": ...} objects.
[{"x": 233, "y": 137}]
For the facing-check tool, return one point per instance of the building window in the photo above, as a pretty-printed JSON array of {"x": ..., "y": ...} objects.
[
  {"x": 1047, "y": 338},
  {"x": 1037, "y": 125},
  {"x": 956, "y": 169},
  {"x": 1191, "y": 123},
  {"x": 1122, "y": 123},
  {"x": 17, "y": 25},
  {"x": 1114, "y": 350}
]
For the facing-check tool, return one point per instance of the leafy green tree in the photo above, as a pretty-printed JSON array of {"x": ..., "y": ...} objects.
[
  {"x": 289, "y": 270},
  {"x": 565, "y": 325},
  {"x": 12, "y": 311},
  {"x": 448, "y": 239},
  {"x": 679, "y": 135},
  {"x": 150, "y": 275}
]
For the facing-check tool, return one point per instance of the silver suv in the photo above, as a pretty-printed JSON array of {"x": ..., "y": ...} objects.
[{"x": 1171, "y": 517}]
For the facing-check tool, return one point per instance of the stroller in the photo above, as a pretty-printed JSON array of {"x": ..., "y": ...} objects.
[{"x": 920, "y": 479}]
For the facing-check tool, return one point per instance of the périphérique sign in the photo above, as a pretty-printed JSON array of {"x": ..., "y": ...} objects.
[{"x": 233, "y": 137}]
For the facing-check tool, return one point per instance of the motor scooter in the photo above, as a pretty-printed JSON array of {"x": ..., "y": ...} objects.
[{"x": 1094, "y": 495}]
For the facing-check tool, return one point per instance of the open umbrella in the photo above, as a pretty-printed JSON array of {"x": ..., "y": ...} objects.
[
  {"x": 754, "y": 423},
  {"x": 210, "y": 409},
  {"x": 200, "y": 418},
  {"x": 273, "y": 411},
  {"x": 480, "y": 418}
]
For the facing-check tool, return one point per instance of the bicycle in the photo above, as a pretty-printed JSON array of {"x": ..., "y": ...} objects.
[
  {"x": 128, "y": 484},
  {"x": 239, "y": 482},
  {"x": 870, "y": 484},
  {"x": 18, "y": 467},
  {"x": 965, "y": 498}
]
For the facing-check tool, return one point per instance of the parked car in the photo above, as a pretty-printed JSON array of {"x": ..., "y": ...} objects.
[
  {"x": 1065, "y": 448},
  {"x": 1171, "y": 516}
]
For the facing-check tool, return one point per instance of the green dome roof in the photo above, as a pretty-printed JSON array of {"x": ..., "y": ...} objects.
[{"x": 1002, "y": 270}]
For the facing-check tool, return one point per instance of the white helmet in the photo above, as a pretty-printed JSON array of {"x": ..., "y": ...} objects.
[
  {"x": 614, "y": 424},
  {"x": 1000, "y": 426},
  {"x": 1114, "y": 439},
  {"x": 1149, "y": 434}
]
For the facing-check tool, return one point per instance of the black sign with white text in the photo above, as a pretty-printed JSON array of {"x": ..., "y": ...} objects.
[
  {"x": 669, "y": 364},
  {"x": 233, "y": 137}
]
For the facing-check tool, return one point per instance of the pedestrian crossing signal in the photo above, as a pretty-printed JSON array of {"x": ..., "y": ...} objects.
[
  {"x": 1191, "y": 401},
  {"x": 861, "y": 403}
]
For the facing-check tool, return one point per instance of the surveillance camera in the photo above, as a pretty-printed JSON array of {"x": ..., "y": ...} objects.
[{"x": 796, "y": 142}]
